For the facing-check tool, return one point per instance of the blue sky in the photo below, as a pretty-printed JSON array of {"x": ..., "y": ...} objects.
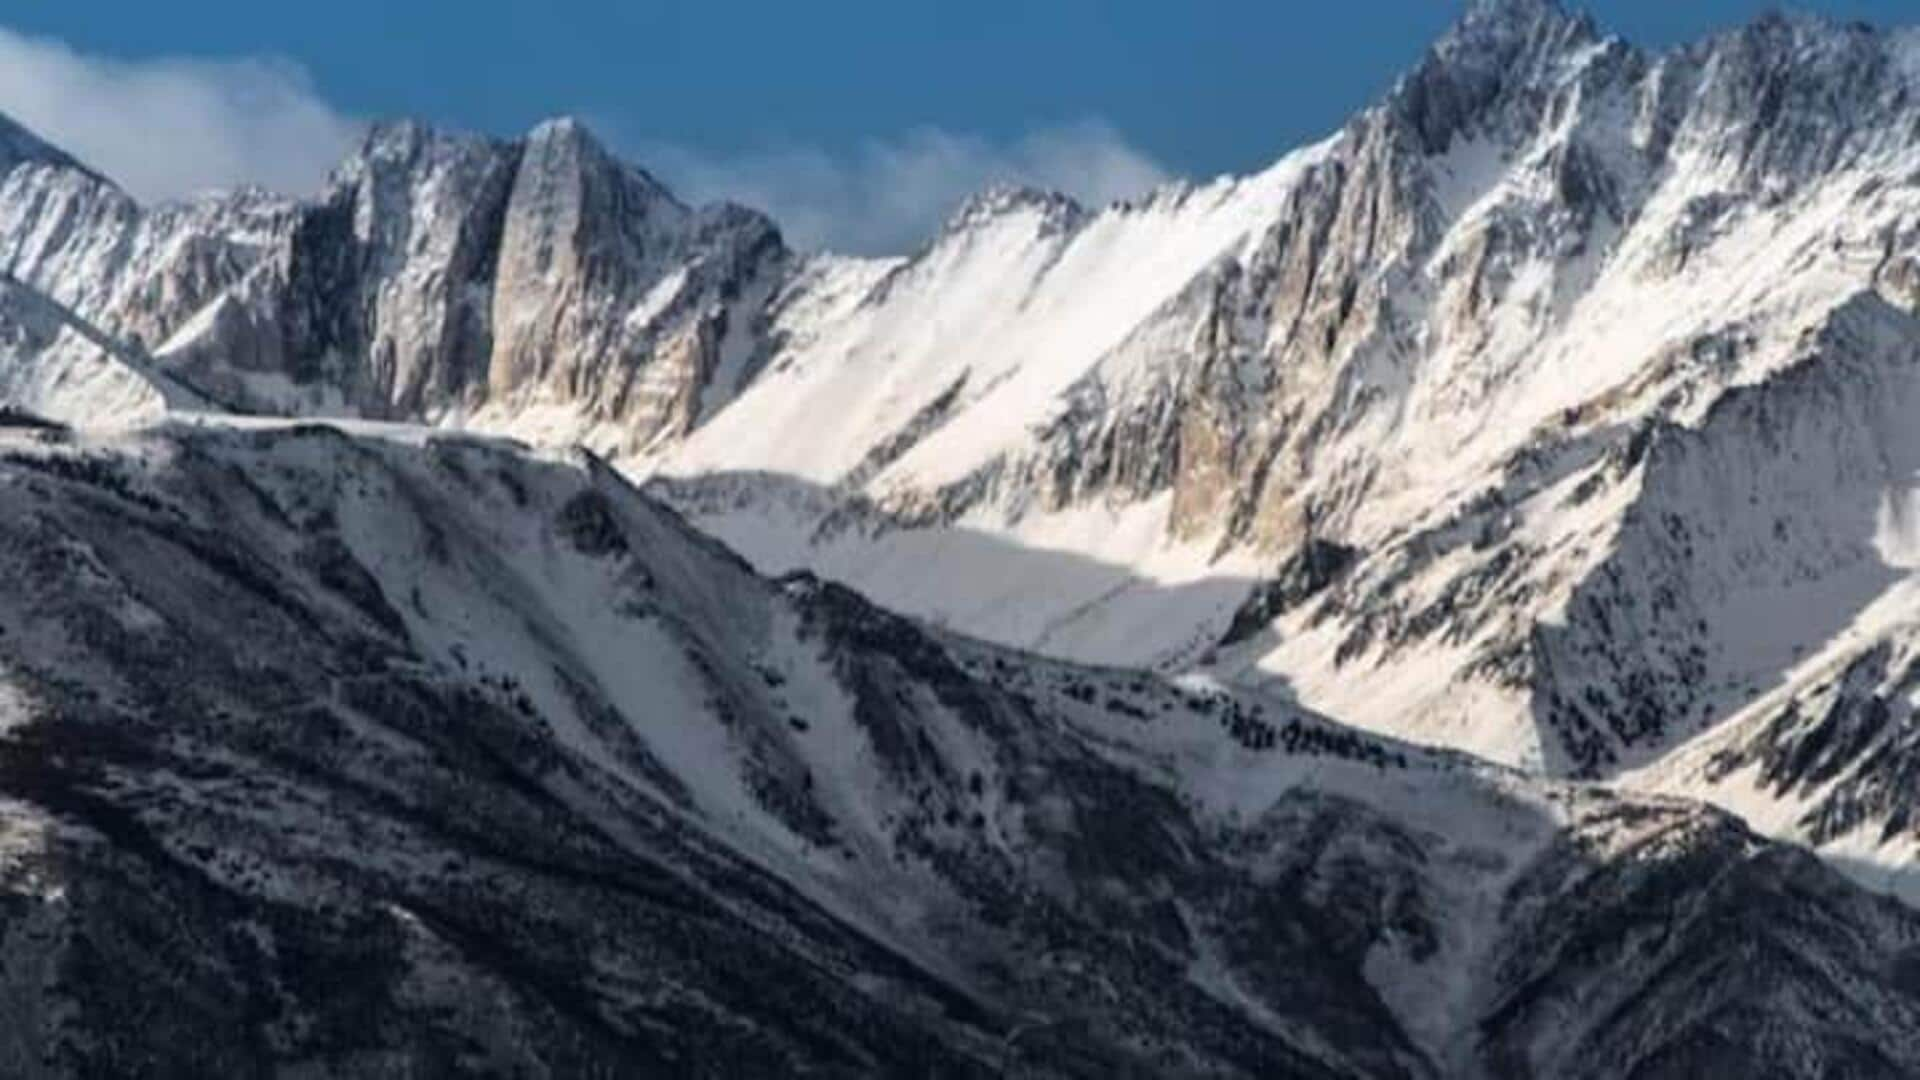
[{"x": 709, "y": 89}]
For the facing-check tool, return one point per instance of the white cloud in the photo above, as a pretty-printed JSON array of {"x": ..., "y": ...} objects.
[
  {"x": 169, "y": 127},
  {"x": 889, "y": 195}
]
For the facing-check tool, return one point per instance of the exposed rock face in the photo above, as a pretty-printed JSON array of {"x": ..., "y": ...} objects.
[
  {"x": 1461, "y": 338},
  {"x": 371, "y": 299},
  {"x": 438, "y": 276},
  {"x": 614, "y": 295},
  {"x": 354, "y": 757},
  {"x": 1555, "y": 409},
  {"x": 93, "y": 282}
]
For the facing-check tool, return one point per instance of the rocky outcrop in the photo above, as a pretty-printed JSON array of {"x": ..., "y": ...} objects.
[
  {"x": 614, "y": 295},
  {"x": 438, "y": 276},
  {"x": 1552, "y": 409},
  {"x": 1468, "y": 338},
  {"x": 352, "y": 757}
]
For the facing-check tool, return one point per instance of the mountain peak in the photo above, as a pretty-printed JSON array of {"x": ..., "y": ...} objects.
[
  {"x": 565, "y": 142},
  {"x": 1510, "y": 12},
  {"x": 1058, "y": 210},
  {"x": 1496, "y": 47},
  {"x": 1789, "y": 31},
  {"x": 1493, "y": 28},
  {"x": 395, "y": 157},
  {"x": 569, "y": 129},
  {"x": 570, "y": 136},
  {"x": 408, "y": 140},
  {"x": 1492, "y": 21}
]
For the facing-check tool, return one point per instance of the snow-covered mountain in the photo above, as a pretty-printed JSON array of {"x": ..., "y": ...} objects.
[
  {"x": 539, "y": 284},
  {"x": 393, "y": 752},
  {"x": 1542, "y": 241},
  {"x": 1434, "y": 425},
  {"x": 1554, "y": 411}
]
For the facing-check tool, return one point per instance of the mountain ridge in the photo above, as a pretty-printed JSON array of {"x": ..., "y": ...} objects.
[
  {"x": 1213, "y": 376},
  {"x": 562, "y": 785},
  {"x": 1369, "y": 570}
]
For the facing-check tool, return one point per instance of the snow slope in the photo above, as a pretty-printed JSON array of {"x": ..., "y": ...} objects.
[
  {"x": 1464, "y": 340},
  {"x": 1552, "y": 410},
  {"x": 1543, "y": 235},
  {"x": 546, "y": 782}
]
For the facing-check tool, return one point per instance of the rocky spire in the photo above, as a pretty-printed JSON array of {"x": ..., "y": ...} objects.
[{"x": 1497, "y": 48}]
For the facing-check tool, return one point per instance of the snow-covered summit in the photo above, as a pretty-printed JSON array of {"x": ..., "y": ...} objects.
[
  {"x": 439, "y": 276},
  {"x": 1498, "y": 48},
  {"x": 1390, "y": 426},
  {"x": 1056, "y": 210},
  {"x": 1434, "y": 341},
  {"x": 1557, "y": 409}
]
